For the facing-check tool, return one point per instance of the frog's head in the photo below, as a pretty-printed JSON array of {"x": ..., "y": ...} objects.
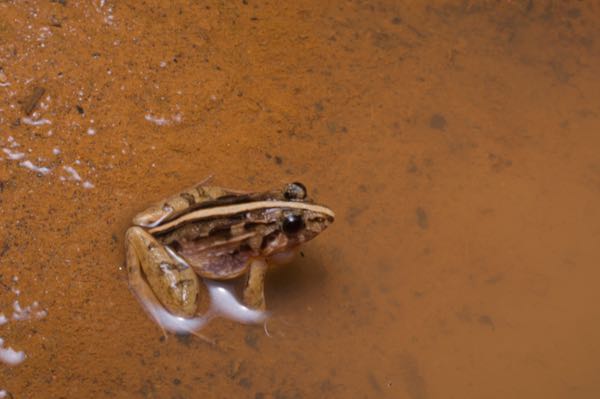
[{"x": 297, "y": 221}]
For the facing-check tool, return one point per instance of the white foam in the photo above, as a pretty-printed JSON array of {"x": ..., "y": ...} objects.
[
  {"x": 13, "y": 142},
  {"x": 91, "y": 131},
  {"x": 3, "y": 393},
  {"x": 13, "y": 154},
  {"x": 32, "y": 311},
  {"x": 36, "y": 122},
  {"x": 174, "y": 323},
  {"x": 56, "y": 150},
  {"x": 72, "y": 172},
  {"x": 87, "y": 184},
  {"x": 225, "y": 304},
  {"x": 9, "y": 356},
  {"x": 156, "y": 120},
  {"x": 3, "y": 319},
  {"x": 40, "y": 169}
]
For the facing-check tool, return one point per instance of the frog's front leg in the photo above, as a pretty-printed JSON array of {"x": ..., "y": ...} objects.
[
  {"x": 254, "y": 292},
  {"x": 155, "y": 276}
]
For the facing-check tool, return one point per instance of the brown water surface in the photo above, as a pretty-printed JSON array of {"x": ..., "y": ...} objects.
[{"x": 457, "y": 141}]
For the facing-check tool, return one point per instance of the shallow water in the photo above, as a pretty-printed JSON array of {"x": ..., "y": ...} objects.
[{"x": 456, "y": 141}]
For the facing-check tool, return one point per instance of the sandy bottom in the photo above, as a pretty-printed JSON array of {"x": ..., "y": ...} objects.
[{"x": 457, "y": 141}]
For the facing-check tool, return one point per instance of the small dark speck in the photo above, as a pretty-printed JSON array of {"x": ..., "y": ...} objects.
[
  {"x": 437, "y": 121},
  {"x": 80, "y": 109},
  {"x": 486, "y": 321},
  {"x": 412, "y": 166},
  {"x": 414, "y": 383},
  {"x": 245, "y": 2},
  {"x": 184, "y": 338},
  {"x": 495, "y": 279},
  {"x": 278, "y": 160},
  {"x": 574, "y": 13},
  {"x": 422, "y": 219},
  {"x": 162, "y": 338},
  {"x": 259, "y": 395},
  {"x": 331, "y": 127},
  {"x": 176, "y": 381},
  {"x": 302, "y": 254},
  {"x": 245, "y": 383},
  {"x": 319, "y": 107},
  {"x": 326, "y": 386},
  {"x": 354, "y": 212},
  {"x": 253, "y": 18},
  {"x": 396, "y": 20},
  {"x": 374, "y": 384},
  {"x": 251, "y": 340}
]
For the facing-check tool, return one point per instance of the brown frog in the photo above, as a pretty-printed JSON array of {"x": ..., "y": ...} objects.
[{"x": 216, "y": 234}]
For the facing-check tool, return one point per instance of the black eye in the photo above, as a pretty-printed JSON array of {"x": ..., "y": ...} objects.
[
  {"x": 292, "y": 224},
  {"x": 295, "y": 191}
]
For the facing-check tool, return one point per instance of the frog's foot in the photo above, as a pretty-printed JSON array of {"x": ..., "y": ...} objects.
[{"x": 254, "y": 293}]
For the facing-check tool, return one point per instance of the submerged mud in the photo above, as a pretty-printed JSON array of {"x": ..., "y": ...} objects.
[{"x": 455, "y": 140}]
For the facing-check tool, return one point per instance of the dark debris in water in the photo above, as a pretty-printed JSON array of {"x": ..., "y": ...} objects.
[
  {"x": 438, "y": 122},
  {"x": 422, "y": 219},
  {"x": 32, "y": 101},
  {"x": 251, "y": 339}
]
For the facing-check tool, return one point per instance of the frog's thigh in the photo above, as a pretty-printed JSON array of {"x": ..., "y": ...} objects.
[
  {"x": 175, "y": 285},
  {"x": 254, "y": 293}
]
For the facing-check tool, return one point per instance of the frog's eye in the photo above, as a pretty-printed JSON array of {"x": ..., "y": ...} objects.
[
  {"x": 292, "y": 224},
  {"x": 295, "y": 191}
]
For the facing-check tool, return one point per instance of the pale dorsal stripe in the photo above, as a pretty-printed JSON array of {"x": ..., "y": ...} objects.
[{"x": 222, "y": 211}]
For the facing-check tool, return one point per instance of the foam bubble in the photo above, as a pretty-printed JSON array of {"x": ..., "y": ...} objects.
[
  {"x": 156, "y": 120},
  {"x": 35, "y": 122},
  {"x": 9, "y": 356},
  {"x": 72, "y": 172},
  {"x": 13, "y": 154},
  {"x": 40, "y": 169}
]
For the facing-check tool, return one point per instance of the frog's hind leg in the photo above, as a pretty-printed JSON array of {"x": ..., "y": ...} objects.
[
  {"x": 166, "y": 290},
  {"x": 254, "y": 292},
  {"x": 179, "y": 203}
]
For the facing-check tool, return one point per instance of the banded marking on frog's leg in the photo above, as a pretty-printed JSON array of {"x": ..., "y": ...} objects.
[
  {"x": 155, "y": 275},
  {"x": 179, "y": 203},
  {"x": 254, "y": 292}
]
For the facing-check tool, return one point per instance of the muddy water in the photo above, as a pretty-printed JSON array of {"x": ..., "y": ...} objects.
[{"x": 457, "y": 142}]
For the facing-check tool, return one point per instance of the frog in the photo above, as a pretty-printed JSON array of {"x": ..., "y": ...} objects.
[{"x": 208, "y": 234}]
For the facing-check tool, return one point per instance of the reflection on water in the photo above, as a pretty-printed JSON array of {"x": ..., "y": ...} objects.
[{"x": 456, "y": 142}]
